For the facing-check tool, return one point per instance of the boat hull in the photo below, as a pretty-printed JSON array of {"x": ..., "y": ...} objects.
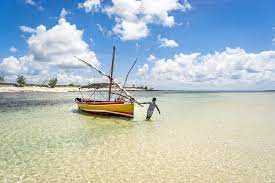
[{"x": 112, "y": 108}]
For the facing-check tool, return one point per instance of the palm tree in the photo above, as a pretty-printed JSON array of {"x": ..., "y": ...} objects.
[
  {"x": 21, "y": 81},
  {"x": 2, "y": 78},
  {"x": 52, "y": 82}
]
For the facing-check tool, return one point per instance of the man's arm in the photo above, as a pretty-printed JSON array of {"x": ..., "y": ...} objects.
[
  {"x": 158, "y": 108},
  {"x": 145, "y": 103}
]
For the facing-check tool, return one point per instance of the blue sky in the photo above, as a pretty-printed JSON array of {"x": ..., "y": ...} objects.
[{"x": 195, "y": 44}]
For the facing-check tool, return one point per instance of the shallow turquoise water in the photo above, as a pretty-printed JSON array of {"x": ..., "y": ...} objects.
[{"x": 199, "y": 137}]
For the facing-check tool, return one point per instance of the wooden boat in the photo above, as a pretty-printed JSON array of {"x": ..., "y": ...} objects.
[
  {"x": 105, "y": 107},
  {"x": 122, "y": 105}
]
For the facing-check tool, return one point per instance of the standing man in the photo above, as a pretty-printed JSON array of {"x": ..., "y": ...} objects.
[{"x": 151, "y": 108}]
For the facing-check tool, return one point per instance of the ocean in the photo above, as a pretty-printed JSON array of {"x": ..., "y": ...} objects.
[{"x": 199, "y": 137}]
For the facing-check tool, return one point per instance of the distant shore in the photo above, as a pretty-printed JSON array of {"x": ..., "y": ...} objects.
[{"x": 9, "y": 88}]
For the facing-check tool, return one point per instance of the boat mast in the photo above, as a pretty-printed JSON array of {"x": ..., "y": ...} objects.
[
  {"x": 111, "y": 73},
  {"x": 127, "y": 95},
  {"x": 131, "y": 68}
]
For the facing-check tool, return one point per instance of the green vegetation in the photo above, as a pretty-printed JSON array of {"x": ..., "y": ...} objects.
[
  {"x": 21, "y": 81},
  {"x": 52, "y": 82},
  {"x": 98, "y": 85},
  {"x": 71, "y": 85},
  {"x": 2, "y": 78}
]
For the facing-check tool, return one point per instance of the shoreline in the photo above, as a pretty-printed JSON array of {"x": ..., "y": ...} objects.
[
  {"x": 8, "y": 88},
  {"x": 58, "y": 89}
]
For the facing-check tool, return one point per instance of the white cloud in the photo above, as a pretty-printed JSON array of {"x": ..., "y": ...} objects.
[
  {"x": 100, "y": 28},
  {"x": 143, "y": 71},
  {"x": 10, "y": 65},
  {"x": 151, "y": 58},
  {"x": 34, "y": 4},
  {"x": 30, "y": 2},
  {"x": 27, "y": 29},
  {"x": 164, "y": 42},
  {"x": 51, "y": 51},
  {"x": 131, "y": 30},
  {"x": 63, "y": 13},
  {"x": 13, "y": 49},
  {"x": 186, "y": 5},
  {"x": 233, "y": 67},
  {"x": 133, "y": 16},
  {"x": 22, "y": 65},
  {"x": 104, "y": 31},
  {"x": 58, "y": 45},
  {"x": 90, "y": 5}
]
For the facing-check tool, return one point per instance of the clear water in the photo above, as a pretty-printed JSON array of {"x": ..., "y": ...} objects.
[{"x": 199, "y": 137}]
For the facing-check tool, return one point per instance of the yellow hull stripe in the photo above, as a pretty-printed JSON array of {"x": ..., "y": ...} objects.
[{"x": 117, "y": 109}]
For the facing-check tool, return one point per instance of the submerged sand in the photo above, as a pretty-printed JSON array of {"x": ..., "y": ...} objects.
[{"x": 199, "y": 137}]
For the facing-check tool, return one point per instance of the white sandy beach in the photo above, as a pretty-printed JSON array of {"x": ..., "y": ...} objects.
[
  {"x": 10, "y": 88},
  {"x": 36, "y": 89}
]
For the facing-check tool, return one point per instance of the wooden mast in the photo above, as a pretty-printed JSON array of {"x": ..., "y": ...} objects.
[
  {"x": 125, "y": 81},
  {"x": 111, "y": 73}
]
